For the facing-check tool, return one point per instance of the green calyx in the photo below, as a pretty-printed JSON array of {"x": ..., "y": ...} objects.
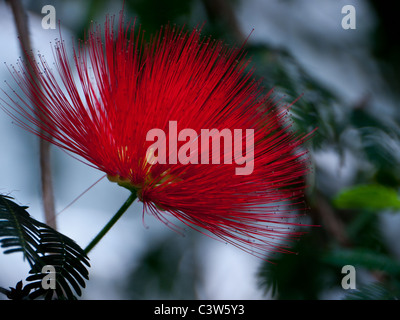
[{"x": 123, "y": 183}]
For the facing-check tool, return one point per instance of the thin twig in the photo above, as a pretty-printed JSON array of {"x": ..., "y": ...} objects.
[
  {"x": 21, "y": 22},
  {"x": 330, "y": 221}
]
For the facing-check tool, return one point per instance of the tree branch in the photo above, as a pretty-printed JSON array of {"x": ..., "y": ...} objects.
[
  {"x": 21, "y": 22},
  {"x": 223, "y": 10}
]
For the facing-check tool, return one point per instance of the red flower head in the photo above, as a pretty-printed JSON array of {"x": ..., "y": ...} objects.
[{"x": 181, "y": 122}]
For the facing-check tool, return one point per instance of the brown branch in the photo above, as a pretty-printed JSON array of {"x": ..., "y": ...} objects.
[
  {"x": 21, "y": 22},
  {"x": 330, "y": 221},
  {"x": 223, "y": 10}
]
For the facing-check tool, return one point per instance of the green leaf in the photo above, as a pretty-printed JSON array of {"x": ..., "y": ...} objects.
[
  {"x": 365, "y": 258},
  {"x": 153, "y": 13},
  {"x": 374, "y": 196},
  {"x": 41, "y": 245},
  {"x": 18, "y": 232},
  {"x": 282, "y": 279},
  {"x": 374, "y": 291}
]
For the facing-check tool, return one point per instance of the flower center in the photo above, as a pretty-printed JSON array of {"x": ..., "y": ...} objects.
[
  {"x": 165, "y": 178},
  {"x": 123, "y": 182}
]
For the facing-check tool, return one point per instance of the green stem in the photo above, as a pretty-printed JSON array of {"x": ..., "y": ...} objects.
[{"x": 113, "y": 220}]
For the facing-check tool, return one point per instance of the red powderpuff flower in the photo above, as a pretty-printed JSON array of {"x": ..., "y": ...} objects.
[{"x": 244, "y": 184}]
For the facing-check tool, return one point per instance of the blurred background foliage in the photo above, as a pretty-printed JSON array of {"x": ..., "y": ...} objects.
[{"x": 350, "y": 214}]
